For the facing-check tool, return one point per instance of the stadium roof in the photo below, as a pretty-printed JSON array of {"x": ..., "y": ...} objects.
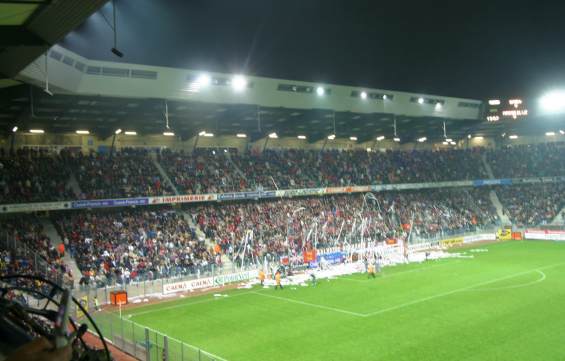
[
  {"x": 29, "y": 107},
  {"x": 29, "y": 27}
]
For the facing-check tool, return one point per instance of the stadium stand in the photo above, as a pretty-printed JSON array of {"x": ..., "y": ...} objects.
[
  {"x": 34, "y": 253},
  {"x": 529, "y": 160},
  {"x": 131, "y": 245},
  {"x": 434, "y": 212},
  {"x": 28, "y": 175},
  {"x": 126, "y": 173},
  {"x": 203, "y": 171},
  {"x": 534, "y": 204}
]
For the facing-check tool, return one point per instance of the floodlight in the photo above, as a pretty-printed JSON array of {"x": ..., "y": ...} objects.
[
  {"x": 420, "y": 100},
  {"x": 301, "y": 137},
  {"x": 168, "y": 134},
  {"x": 380, "y": 137},
  {"x": 203, "y": 80},
  {"x": 494, "y": 102},
  {"x": 331, "y": 137},
  {"x": 422, "y": 140},
  {"x": 130, "y": 132},
  {"x": 15, "y": 129},
  {"x": 444, "y": 143},
  {"x": 239, "y": 83},
  {"x": 513, "y": 136},
  {"x": 225, "y": 150},
  {"x": 353, "y": 138},
  {"x": 241, "y": 135},
  {"x": 208, "y": 135},
  {"x": 562, "y": 132},
  {"x": 363, "y": 95},
  {"x": 369, "y": 149},
  {"x": 82, "y": 132},
  {"x": 202, "y": 133},
  {"x": 550, "y": 134},
  {"x": 320, "y": 91},
  {"x": 479, "y": 137},
  {"x": 468, "y": 136},
  {"x": 396, "y": 139},
  {"x": 553, "y": 102},
  {"x": 448, "y": 140},
  {"x": 438, "y": 106},
  {"x": 384, "y": 97},
  {"x": 37, "y": 131},
  {"x": 273, "y": 135}
]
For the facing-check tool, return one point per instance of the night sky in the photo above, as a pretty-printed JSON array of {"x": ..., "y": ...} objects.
[{"x": 476, "y": 49}]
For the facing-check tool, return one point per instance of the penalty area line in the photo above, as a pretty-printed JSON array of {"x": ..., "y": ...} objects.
[{"x": 448, "y": 293}]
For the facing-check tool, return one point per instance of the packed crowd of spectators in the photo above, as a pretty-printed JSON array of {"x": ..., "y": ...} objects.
[
  {"x": 34, "y": 175},
  {"x": 308, "y": 168},
  {"x": 530, "y": 160},
  {"x": 203, "y": 171},
  {"x": 280, "y": 227},
  {"x": 132, "y": 245},
  {"x": 532, "y": 204},
  {"x": 26, "y": 249},
  {"x": 125, "y": 173},
  {"x": 29, "y": 175}
]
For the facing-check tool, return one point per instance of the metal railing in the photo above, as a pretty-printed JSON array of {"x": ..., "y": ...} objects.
[{"x": 144, "y": 343}]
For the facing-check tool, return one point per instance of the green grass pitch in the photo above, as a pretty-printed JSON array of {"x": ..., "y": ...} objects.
[{"x": 504, "y": 304}]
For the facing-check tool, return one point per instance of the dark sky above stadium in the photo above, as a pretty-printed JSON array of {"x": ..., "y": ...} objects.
[{"x": 476, "y": 49}]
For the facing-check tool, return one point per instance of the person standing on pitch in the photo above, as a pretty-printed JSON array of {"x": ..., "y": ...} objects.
[
  {"x": 262, "y": 277},
  {"x": 371, "y": 270},
  {"x": 313, "y": 277},
  {"x": 278, "y": 280}
]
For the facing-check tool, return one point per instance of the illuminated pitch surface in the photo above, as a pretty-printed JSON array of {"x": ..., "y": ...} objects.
[{"x": 505, "y": 304}]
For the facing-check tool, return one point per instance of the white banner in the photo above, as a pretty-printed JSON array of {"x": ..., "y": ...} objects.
[{"x": 541, "y": 234}]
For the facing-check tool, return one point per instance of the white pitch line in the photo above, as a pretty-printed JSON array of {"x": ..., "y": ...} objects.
[
  {"x": 531, "y": 283},
  {"x": 187, "y": 304},
  {"x": 403, "y": 305},
  {"x": 312, "y": 305}
]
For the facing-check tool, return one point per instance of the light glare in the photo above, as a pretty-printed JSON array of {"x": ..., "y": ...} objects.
[
  {"x": 37, "y": 131},
  {"x": 553, "y": 102},
  {"x": 239, "y": 83}
]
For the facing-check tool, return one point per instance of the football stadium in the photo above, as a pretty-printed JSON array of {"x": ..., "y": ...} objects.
[{"x": 199, "y": 181}]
